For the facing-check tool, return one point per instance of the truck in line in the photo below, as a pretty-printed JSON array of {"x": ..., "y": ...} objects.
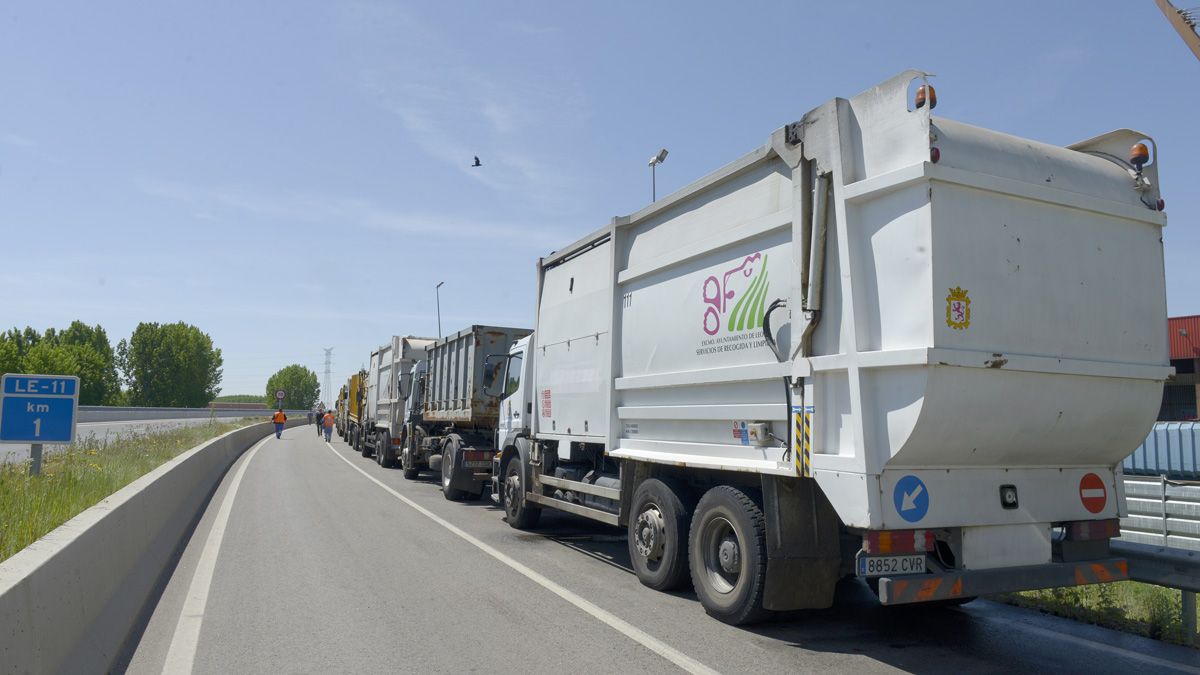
[
  {"x": 883, "y": 344},
  {"x": 350, "y": 406},
  {"x": 383, "y": 416},
  {"x": 450, "y": 421}
]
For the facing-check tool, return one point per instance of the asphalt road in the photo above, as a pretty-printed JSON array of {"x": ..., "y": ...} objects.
[
  {"x": 321, "y": 561},
  {"x": 100, "y": 431}
]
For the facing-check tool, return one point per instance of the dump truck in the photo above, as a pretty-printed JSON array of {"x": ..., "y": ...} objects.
[
  {"x": 451, "y": 422},
  {"x": 884, "y": 344},
  {"x": 384, "y": 411},
  {"x": 350, "y": 403}
]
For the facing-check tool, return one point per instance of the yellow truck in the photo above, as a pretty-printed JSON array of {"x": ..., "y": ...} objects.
[{"x": 349, "y": 407}]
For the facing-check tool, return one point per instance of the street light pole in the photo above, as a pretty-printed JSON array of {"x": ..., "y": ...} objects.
[
  {"x": 653, "y": 163},
  {"x": 438, "y": 297}
]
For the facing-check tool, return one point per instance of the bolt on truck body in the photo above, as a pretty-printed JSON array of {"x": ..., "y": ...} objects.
[{"x": 884, "y": 344}]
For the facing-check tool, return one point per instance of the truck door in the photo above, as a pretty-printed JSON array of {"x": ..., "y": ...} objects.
[{"x": 511, "y": 415}]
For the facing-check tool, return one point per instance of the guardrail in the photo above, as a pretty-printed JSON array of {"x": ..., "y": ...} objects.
[
  {"x": 102, "y": 413},
  {"x": 1161, "y": 538},
  {"x": 1162, "y": 512},
  {"x": 1167, "y": 567}
]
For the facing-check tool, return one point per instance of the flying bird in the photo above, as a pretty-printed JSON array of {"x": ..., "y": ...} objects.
[{"x": 477, "y": 162}]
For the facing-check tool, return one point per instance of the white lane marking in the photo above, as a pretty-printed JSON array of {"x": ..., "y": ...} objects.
[
  {"x": 182, "y": 653},
  {"x": 618, "y": 624},
  {"x": 1126, "y": 653}
]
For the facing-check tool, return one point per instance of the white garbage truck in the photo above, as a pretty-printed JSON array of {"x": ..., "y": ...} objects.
[{"x": 884, "y": 344}]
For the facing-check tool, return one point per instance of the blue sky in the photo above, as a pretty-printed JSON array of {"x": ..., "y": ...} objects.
[{"x": 292, "y": 176}]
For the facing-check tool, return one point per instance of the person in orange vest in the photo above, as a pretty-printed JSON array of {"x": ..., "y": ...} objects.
[
  {"x": 279, "y": 418},
  {"x": 328, "y": 423}
]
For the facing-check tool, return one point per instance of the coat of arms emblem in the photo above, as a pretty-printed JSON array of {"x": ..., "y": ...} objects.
[{"x": 958, "y": 309}]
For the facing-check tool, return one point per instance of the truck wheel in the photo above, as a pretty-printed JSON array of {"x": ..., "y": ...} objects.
[
  {"x": 406, "y": 462},
  {"x": 449, "y": 455},
  {"x": 387, "y": 458},
  {"x": 658, "y": 534},
  {"x": 363, "y": 448},
  {"x": 517, "y": 511},
  {"x": 728, "y": 556}
]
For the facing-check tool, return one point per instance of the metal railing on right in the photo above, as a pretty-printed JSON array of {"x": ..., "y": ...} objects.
[
  {"x": 1160, "y": 538},
  {"x": 1163, "y": 512}
]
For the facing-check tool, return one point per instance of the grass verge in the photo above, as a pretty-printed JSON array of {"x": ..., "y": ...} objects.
[
  {"x": 86, "y": 472},
  {"x": 1130, "y": 606}
]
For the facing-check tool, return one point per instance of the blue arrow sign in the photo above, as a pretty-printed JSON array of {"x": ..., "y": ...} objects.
[{"x": 911, "y": 498}]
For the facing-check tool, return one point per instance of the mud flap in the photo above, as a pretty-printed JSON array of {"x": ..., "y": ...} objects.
[{"x": 803, "y": 545}]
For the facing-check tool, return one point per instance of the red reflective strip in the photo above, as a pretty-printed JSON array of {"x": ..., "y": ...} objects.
[
  {"x": 898, "y": 588},
  {"x": 956, "y": 589},
  {"x": 477, "y": 455},
  {"x": 1101, "y": 572},
  {"x": 1080, "y": 579},
  {"x": 1123, "y": 568},
  {"x": 929, "y": 589},
  {"x": 899, "y": 541}
]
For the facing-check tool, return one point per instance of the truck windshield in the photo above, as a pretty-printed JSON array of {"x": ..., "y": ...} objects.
[{"x": 512, "y": 379}]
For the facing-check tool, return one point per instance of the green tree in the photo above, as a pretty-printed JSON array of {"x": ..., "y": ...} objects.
[
  {"x": 50, "y": 359},
  {"x": 10, "y": 358},
  {"x": 301, "y": 386},
  {"x": 97, "y": 369},
  {"x": 170, "y": 365}
]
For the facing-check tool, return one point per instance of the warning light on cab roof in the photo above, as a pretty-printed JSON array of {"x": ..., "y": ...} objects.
[
  {"x": 921, "y": 96},
  {"x": 1139, "y": 154}
]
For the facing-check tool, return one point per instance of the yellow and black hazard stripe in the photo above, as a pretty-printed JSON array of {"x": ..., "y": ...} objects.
[{"x": 802, "y": 440}]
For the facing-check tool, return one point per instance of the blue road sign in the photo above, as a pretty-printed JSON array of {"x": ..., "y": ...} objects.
[
  {"x": 38, "y": 408},
  {"x": 911, "y": 498}
]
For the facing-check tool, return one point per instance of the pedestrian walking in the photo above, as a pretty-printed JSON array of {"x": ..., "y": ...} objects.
[
  {"x": 329, "y": 422},
  {"x": 320, "y": 418},
  {"x": 279, "y": 418}
]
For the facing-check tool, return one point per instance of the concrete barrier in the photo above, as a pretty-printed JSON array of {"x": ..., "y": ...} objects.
[
  {"x": 69, "y": 601},
  {"x": 102, "y": 413}
]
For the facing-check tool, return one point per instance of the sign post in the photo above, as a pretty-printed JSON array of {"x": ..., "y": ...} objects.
[{"x": 38, "y": 409}]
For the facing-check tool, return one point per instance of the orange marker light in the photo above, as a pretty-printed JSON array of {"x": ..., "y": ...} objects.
[
  {"x": 921, "y": 96},
  {"x": 1139, "y": 154}
]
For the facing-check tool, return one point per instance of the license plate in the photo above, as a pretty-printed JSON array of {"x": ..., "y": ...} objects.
[
  {"x": 881, "y": 565},
  {"x": 477, "y": 465}
]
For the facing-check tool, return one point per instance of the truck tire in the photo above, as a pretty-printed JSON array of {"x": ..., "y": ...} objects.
[
  {"x": 387, "y": 457},
  {"x": 728, "y": 556},
  {"x": 661, "y": 513},
  {"x": 411, "y": 470},
  {"x": 363, "y": 448},
  {"x": 449, "y": 458},
  {"x": 518, "y": 512}
]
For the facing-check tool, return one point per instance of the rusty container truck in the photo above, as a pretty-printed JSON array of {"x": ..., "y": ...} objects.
[{"x": 451, "y": 421}]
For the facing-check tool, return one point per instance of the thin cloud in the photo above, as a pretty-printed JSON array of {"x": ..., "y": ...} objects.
[
  {"x": 452, "y": 111},
  {"x": 17, "y": 140},
  {"x": 322, "y": 209}
]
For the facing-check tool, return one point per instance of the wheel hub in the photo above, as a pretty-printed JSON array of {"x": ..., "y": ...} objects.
[
  {"x": 512, "y": 490},
  {"x": 649, "y": 533},
  {"x": 729, "y": 555}
]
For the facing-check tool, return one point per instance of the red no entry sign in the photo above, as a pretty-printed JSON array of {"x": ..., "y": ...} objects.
[{"x": 1092, "y": 493}]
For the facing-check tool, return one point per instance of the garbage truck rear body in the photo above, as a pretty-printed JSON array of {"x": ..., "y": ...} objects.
[{"x": 884, "y": 344}]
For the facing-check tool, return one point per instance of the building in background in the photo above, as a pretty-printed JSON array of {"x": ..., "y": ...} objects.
[{"x": 1179, "y": 396}]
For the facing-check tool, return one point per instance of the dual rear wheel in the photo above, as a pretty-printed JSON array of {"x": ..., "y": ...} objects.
[{"x": 718, "y": 542}]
